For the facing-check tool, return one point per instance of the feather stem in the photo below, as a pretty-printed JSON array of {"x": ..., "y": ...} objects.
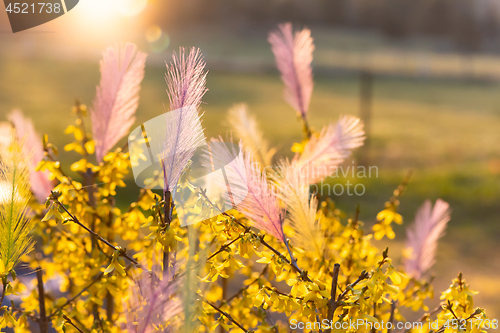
[{"x": 292, "y": 258}]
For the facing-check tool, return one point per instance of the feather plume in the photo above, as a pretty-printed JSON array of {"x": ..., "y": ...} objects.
[
  {"x": 117, "y": 96},
  {"x": 294, "y": 56},
  {"x": 186, "y": 79},
  {"x": 32, "y": 148},
  {"x": 152, "y": 301},
  {"x": 326, "y": 151},
  {"x": 247, "y": 130},
  {"x": 5, "y": 134},
  {"x": 257, "y": 198},
  {"x": 14, "y": 196},
  {"x": 294, "y": 192},
  {"x": 423, "y": 236}
]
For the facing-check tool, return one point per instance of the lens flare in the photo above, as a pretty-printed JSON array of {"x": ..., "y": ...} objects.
[{"x": 153, "y": 33}]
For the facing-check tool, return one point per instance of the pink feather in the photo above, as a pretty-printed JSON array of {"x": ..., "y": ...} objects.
[
  {"x": 186, "y": 79},
  {"x": 323, "y": 153},
  {"x": 117, "y": 96},
  {"x": 32, "y": 148},
  {"x": 249, "y": 186},
  {"x": 5, "y": 134},
  {"x": 152, "y": 301},
  {"x": 294, "y": 56},
  {"x": 423, "y": 236}
]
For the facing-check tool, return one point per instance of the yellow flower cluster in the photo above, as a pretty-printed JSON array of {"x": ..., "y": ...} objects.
[{"x": 91, "y": 250}]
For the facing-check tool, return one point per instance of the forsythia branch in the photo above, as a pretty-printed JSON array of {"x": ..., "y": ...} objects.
[
  {"x": 333, "y": 305},
  {"x": 122, "y": 251},
  {"x": 228, "y": 316},
  {"x": 68, "y": 320},
  {"x": 333, "y": 293},
  {"x": 4, "y": 288},
  {"x": 43, "y": 322},
  {"x": 292, "y": 263}
]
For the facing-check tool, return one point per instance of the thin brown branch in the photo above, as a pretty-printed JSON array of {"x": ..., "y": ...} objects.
[
  {"x": 70, "y": 180},
  {"x": 273, "y": 289},
  {"x": 391, "y": 318},
  {"x": 43, "y": 322},
  {"x": 72, "y": 299},
  {"x": 303, "y": 274},
  {"x": 307, "y": 128},
  {"x": 4, "y": 289},
  {"x": 228, "y": 316},
  {"x": 402, "y": 186},
  {"x": 68, "y": 320},
  {"x": 239, "y": 292},
  {"x": 93, "y": 233},
  {"x": 453, "y": 313},
  {"x": 224, "y": 247},
  {"x": 86, "y": 288},
  {"x": 223, "y": 300},
  {"x": 110, "y": 302},
  {"x": 374, "y": 329},
  {"x": 364, "y": 275},
  {"x": 333, "y": 293}
]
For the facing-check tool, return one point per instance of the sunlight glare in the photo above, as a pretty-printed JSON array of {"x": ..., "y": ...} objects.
[
  {"x": 99, "y": 21},
  {"x": 129, "y": 8}
]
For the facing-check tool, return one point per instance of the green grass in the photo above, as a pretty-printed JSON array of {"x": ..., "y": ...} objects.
[{"x": 446, "y": 131}]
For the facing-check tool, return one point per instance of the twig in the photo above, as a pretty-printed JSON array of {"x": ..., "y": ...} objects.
[
  {"x": 364, "y": 275},
  {"x": 401, "y": 187},
  {"x": 274, "y": 290},
  {"x": 391, "y": 318},
  {"x": 70, "y": 180},
  {"x": 110, "y": 302},
  {"x": 228, "y": 316},
  {"x": 176, "y": 276},
  {"x": 374, "y": 330},
  {"x": 333, "y": 293},
  {"x": 239, "y": 292},
  {"x": 68, "y": 320},
  {"x": 453, "y": 313},
  {"x": 96, "y": 279},
  {"x": 224, "y": 296},
  {"x": 4, "y": 288},
  {"x": 43, "y": 322},
  {"x": 292, "y": 258},
  {"x": 20, "y": 312},
  {"x": 307, "y": 129},
  {"x": 263, "y": 242},
  {"x": 93, "y": 233},
  {"x": 224, "y": 247},
  {"x": 271, "y": 321},
  {"x": 167, "y": 199}
]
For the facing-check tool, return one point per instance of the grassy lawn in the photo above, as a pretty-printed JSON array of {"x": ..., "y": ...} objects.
[{"x": 447, "y": 132}]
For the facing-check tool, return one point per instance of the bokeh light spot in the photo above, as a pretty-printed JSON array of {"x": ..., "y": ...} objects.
[
  {"x": 161, "y": 44},
  {"x": 153, "y": 33}
]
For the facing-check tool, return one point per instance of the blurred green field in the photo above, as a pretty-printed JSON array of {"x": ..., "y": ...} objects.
[{"x": 447, "y": 132}]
